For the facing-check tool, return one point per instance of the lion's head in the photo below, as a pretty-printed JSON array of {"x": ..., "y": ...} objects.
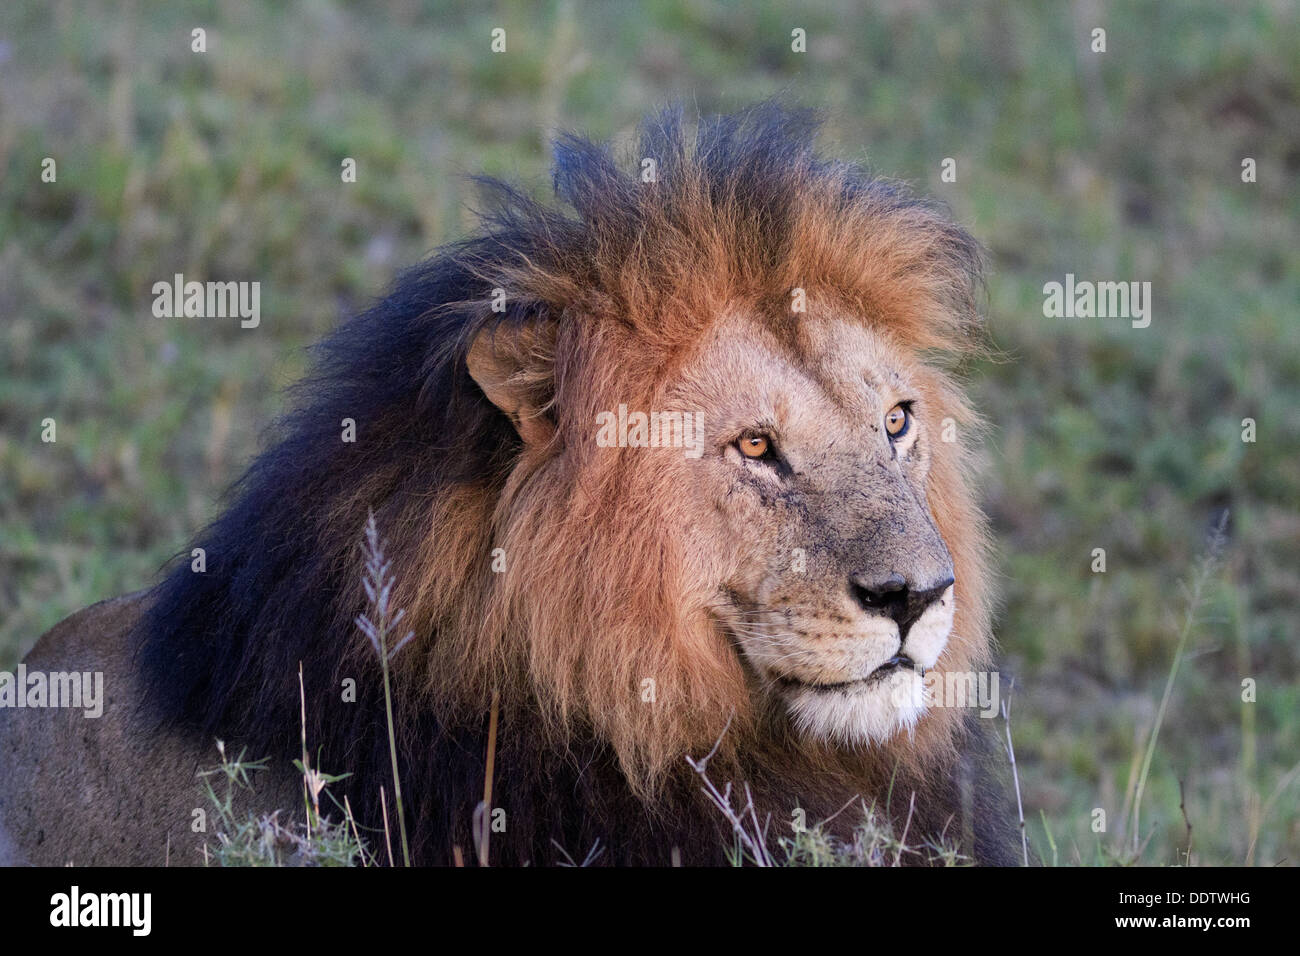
[
  {"x": 739, "y": 482},
  {"x": 686, "y": 459}
]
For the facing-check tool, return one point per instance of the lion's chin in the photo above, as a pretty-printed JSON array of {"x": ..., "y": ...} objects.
[{"x": 869, "y": 711}]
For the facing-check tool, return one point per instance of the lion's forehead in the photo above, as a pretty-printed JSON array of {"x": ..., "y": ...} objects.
[{"x": 821, "y": 372}]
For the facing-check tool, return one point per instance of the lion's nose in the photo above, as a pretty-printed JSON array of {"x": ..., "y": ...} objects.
[{"x": 894, "y": 597}]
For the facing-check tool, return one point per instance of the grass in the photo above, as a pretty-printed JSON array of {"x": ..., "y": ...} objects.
[
  {"x": 874, "y": 841},
  {"x": 1110, "y": 166},
  {"x": 379, "y": 629},
  {"x": 1196, "y": 589},
  {"x": 244, "y": 838}
]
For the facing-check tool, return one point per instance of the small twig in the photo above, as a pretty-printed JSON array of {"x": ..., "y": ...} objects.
[
  {"x": 592, "y": 855},
  {"x": 760, "y": 830},
  {"x": 306, "y": 764},
  {"x": 1143, "y": 848},
  {"x": 756, "y": 841},
  {"x": 1282, "y": 784},
  {"x": 568, "y": 860},
  {"x": 357, "y": 836},
  {"x": 902, "y": 842},
  {"x": 1182, "y": 805},
  {"x": 852, "y": 800},
  {"x": 1015, "y": 774},
  {"x": 704, "y": 762},
  {"x": 1051, "y": 841},
  {"x": 485, "y": 836},
  {"x": 388, "y": 839}
]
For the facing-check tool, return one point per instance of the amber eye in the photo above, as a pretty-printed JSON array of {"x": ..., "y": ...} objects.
[
  {"x": 754, "y": 446},
  {"x": 897, "y": 421}
]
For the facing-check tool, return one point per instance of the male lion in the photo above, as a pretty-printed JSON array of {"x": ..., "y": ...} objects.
[{"x": 770, "y": 572}]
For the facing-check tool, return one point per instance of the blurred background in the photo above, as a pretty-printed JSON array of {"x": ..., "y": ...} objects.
[{"x": 1113, "y": 166}]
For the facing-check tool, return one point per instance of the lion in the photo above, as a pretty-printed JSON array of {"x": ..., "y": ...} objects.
[{"x": 677, "y": 466}]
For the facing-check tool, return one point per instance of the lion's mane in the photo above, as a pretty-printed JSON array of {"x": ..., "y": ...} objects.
[{"x": 740, "y": 211}]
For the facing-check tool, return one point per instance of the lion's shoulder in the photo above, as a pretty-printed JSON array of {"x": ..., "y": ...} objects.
[{"x": 94, "y": 638}]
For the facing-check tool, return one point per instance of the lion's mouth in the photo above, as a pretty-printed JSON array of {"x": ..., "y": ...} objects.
[{"x": 896, "y": 663}]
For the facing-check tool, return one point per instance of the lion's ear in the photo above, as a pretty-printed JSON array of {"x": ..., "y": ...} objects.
[{"x": 514, "y": 365}]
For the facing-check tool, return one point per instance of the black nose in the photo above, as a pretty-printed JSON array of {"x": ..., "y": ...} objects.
[{"x": 893, "y": 597}]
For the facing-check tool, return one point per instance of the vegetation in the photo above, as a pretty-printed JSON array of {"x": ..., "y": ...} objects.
[{"x": 1123, "y": 165}]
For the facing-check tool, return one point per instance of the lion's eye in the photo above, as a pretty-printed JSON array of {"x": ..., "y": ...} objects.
[
  {"x": 755, "y": 446},
  {"x": 897, "y": 421}
]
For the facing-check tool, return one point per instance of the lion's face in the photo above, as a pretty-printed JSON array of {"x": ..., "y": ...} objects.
[{"x": 805, "y": 519}]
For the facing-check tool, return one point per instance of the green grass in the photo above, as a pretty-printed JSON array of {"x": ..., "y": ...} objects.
[
  {"x": 241, "y": 837},
  {"x": 1117, "y": 165}
]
